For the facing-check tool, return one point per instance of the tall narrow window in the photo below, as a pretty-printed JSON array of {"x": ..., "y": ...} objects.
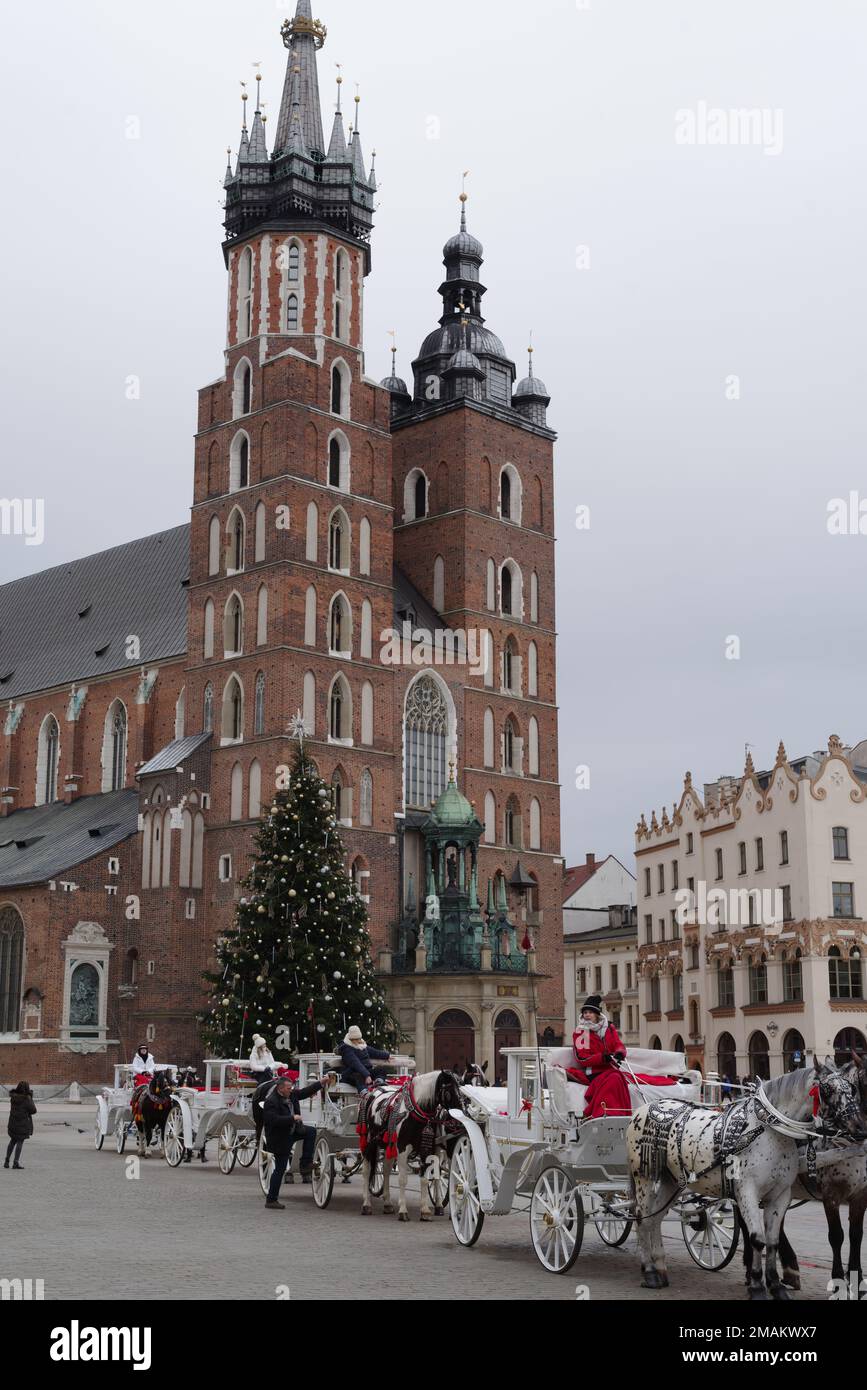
[
  {"x": 292, "y": 270},
  {"x": 114, "y": 748},
  {"x": 334, "y": 463},
  {"x": 237, "y": 543},
  {"x": 425, "y": 736},
  {"x": 11, "y": 968},
  {"x": 336, "y": 712},
  {"x": 338, "y": 320},
  {"x": 259, "y": 708},
  {"x": 246, "y": 293},
  {"x": 366, "y": 798},
  {"x": 338, "y": 548},
  {"x": 244, "y": 463},
  {"x": 246, "y": 390},
  {"x": 208, "y": 709},
  {"x": 336, "y": 391},
  {"x": 49, "y": 745},
  {"x": 420, "y": 496},
  {"x": 292, "y": 313},
  {"x": 506, "y": 590},
  {"x": 505, "y": 496}
]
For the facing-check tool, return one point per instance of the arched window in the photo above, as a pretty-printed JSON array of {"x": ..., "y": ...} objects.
[
  {"x": 334, "y": 464},
  {"x": 114, "y": 748},
  {"x": 338, "y": 461},
  {"x": 262, "y": 616},
  {"x": 534, "y": 597},
  {"x": 533, "y": 750},
  {"x": 505, "y": 495},
  {"x": 292, "y": 313},
  {"x": 338, "y": 542},
  {"x": 439, "y": 584},
  {"x": 245, "y": 294},
  {"x": 254, "y": 809},
  {"x": 535, "y": 824},
  {"x": 726, "y": 1057},
  {"x": 510, "y": 494},
  {"x": 208, "y": 709},
  {"x": 236, "y": 796},
  {"x": 342, "y": 294},
  {"x": 239, "y": 462},
  {"x": 513, "y": 826},
  {"x": 308, "y": 709},
  {"x": 366, "y": 628},
  {"x": 48, "y": 757},
  {"x": 293, "y": 264},
  {"x": 340, "y": 711},
  {"x": 214, "y": 546},
  {"x": 511, "y": 667},
  {"x": 365, "y": 806},
  {"x": 367, "y": 714},
  {"x": 415, "y": 495},
  {"x": 364, "y": 546},
  {"x": 340, "y": 389},
  {"x": 11, "y": 968},
  {"x": 488, "y": 738},
  {"x": 337, "y": 795},
  {"x": 759, "y": 1055},
  {"x": 236, "y": 532},
  {"x": 243, "y": 389},
  {"x": 233, "y": 627},
  {"x": 532, "y": 670},
  {"x": 208, "y": 630},
  {"x": 312, "y": 547},
  {"x": 794, "y": 1050},
  {"x": 181, "y": 713},
  {"x": 847, "y": 1041},
  {"x": 260, "y": 522},
  {"x": 259, "y": 705},
  {"x": 510, "y": 742},
  {"x": 340, "y": 627},
  {"x": 490, "y": 818},
  {"x": 511, "y": 602},
  {"x": 491, "y": 586},
  {"x": 420, "y": 497},
  {"x": 426, "y": 730},
  {"x": 310, "y": 617},
  {"x": 233, "y": 711},
  {"x": 506, "y": 591}
]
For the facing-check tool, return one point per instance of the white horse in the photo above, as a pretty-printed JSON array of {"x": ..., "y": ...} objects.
[
  {"x": 748, "y": 1152},
  {"x": 395, "y": 1122}
]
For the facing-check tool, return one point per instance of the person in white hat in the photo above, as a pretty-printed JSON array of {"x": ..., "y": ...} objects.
[
  {"x": 357, "y": 1057},
  {"x": 262, "y": 1063}
]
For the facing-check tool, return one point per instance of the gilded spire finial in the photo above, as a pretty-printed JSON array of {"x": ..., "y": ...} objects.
[
  {"x": 530, "y": 356},
  {"x": 243, "y": 106},
  {"x": 339, "y": 84},
  {"x": 463, "y": 199},
  {"x": 393, "y": 336},
  {"x": 258, "y": 88}
]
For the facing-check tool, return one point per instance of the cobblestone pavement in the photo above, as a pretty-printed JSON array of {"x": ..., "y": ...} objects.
[{"x": 78, "y": 1222}]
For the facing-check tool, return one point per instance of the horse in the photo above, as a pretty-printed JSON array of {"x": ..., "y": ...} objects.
[
  {"x": 474, "y": 1075},
  {"x": 150, "y": 1109},
  {"x": 403, "y": 1121},
  {"x": 839, "y": 1179},
  {"x": 748, "y": 1151}
]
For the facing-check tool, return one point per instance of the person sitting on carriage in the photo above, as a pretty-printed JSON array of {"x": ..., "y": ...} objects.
[
  {"x": 143, "y": 1066},
  {"x": 284, "y": 1127},
  {"x": 357, "y": 1057},
  {"x": 262, "y": 1062},
  {"x": 598, "y": 1054}
]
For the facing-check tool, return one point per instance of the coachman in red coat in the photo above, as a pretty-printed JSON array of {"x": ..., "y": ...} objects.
[{"x": 598, "y": 1054}]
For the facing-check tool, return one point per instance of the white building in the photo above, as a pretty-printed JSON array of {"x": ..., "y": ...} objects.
[
  {"x": 600, "y": 943},
  {"x": 750, "y": 903}
]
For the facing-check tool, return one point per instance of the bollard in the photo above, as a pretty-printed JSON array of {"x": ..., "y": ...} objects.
[{"x": 74, "y": 1093}]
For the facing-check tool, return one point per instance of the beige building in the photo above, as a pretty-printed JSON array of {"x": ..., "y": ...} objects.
[
  {"x": 600, "y": 943},
  {"x": 750, "y": 915}
]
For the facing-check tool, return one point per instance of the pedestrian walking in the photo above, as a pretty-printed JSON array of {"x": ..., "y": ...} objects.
[{"x": 20, "y": 1127}]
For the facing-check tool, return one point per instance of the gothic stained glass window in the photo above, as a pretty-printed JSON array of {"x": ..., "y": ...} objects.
[
  {"x": 11, "y": 965},
  {"x": 294, "y": 258},
  {"x": 84, "y": 999},
  {"x": 118, "y": 749},
  {"x": 425, "y": 732}
]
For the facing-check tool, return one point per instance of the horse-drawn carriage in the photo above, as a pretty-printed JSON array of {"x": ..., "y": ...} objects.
[
  {"x": 222, "y": 1110},
  {"x": 525, "y": 1147},
  {"x": 333, "y": 1113},
  {"x": 114, "y": 1107}
]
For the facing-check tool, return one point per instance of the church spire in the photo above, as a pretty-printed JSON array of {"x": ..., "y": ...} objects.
[
  {"x": 337, "y": 151},
  {"x": 303, "y": 36}
]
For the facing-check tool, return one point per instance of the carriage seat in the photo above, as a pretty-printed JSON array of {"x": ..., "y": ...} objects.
[{"x": 567, "y": 1096}]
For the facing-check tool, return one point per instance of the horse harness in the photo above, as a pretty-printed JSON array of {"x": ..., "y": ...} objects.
[{"x": 400, "y": 1106}]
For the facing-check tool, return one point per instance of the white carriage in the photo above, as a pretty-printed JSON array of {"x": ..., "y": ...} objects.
[
  {"x": 525, "y": 1147},
  {"x": 113, "y": 1112},
  {"x": 334, "y": 1116},
  {"x": 222, "y": 1110}
]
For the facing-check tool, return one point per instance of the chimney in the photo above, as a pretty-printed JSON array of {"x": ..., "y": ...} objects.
[{"x": 591, "y": 860}]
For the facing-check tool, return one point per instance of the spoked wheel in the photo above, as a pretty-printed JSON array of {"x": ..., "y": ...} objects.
[
  {"x": 98, "y": 1133},
  {"x": 323, "y": 1173},
  {"x": 612, "y": 1223},
  {"x": 227, "y": 1151},
  {"x": 710, "y": 1231},
  {"x": 174, "y": 1149},
  {"x": 465, "y": 1208},
  {"x": 120, "y": 1131},
  {"x": 438, "y": 1188},
  {"x": 377, "y": 1176},
  {"x": 246, "y": 1150},
  {"x": 556, "y": 1221},
  {"x": 266, "y": 1164}
]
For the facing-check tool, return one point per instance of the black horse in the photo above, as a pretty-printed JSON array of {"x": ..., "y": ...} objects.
[{"x": 150, "y": 1106}]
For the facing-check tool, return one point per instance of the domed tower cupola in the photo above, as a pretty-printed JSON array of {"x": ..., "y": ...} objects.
[
  {"x": 401, "y": 400},
  {"x": 531, "y": 398},
  {"x": 462, "y": 329},
  {"x": 465, "y": 375}
]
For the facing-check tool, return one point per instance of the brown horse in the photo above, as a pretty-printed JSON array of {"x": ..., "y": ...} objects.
[{"x": 150, "y": 1106}]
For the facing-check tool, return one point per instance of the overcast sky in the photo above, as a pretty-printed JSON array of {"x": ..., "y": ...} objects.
[{"x": 651, "y": 271}]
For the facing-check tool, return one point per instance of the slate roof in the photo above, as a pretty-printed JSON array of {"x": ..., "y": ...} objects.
[
  {"x": 406, "y": 595},
  {"x": 173, "y": 755},
  {"x": 70, "y": 623},
  {"x": 42, "y": 842}
]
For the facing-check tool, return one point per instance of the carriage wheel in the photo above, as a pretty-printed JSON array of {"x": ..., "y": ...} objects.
[
  {"x": 120, "y": 1133},
  {"x": 174, "y": 1149},
  {"x": 323, "y": 1173},
  {"x": 710, "y": 1231},
  {"x": 246, "y": 1150},
  {"x": 226, "y": 1150},
  {"x": 265, "y": 1164},
  {"x": 377, "y": 1175},
  {"x": 556, "y": 1221},
  {"x": 438, "y": 1188},
  {"x": 612, "y": 1223},
  {"x": 465, "y": 1209},
  {"x": 98, "y": 1133}
]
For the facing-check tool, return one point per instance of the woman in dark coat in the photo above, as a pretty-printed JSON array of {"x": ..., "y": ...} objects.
[{"x": 20, "y": 1127}]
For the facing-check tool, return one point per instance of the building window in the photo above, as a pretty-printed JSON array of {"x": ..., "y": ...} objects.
[
  {"x": 513, "y": 824},
  {"x": 208, "y": 709},
  {"x": 425, "y": 734},
  {"x": 677, "y": 993},
  {"x": 660, "y": 878},
  {"x": 759, "y": 982},
  {"x": 793, "y": 978},
  {"x": 760, "y": 854},
  {"x": 49, "y": 748},
  {"x": 259, "y": 707},
  {"x": 662, "y": 928},
  {"x": 647, "y": 883},
  {"x": 742, "y": 857},
  {"x": 597, "y": 978},
  {"x": 784, "y": 846},
  {"x": 366, "y": 798},
  {"x": 340, "y": 712},
  {"x": 293, "y": 263},
  {"x": 845, "y": 976},
  {"x": 844, "y": 899},
  {"x": 648, "y": 929},
  {"x": 233, "y": 711},
  {"x": 582, "y": 980},
  {"x": 841, "y": 842},
  {"x": 339, "y": 391},
  {"x": 11, "y": 968},
  {"x": 292, "y": 313},
  {"x": 693, "y": 956},
  {"x": 654, "y": 995},
  {"x": 505, "y": 496},
  {"x": 725, "y": 987},
  {"x": 719, "y": 864},
  {"x": 614, "y": 984},
  {"x": 787, "y": 902},
  {"x": 675, "y": 925},
  {"x": 114, "y": 748},
  {"x": 246, "y": 293},
  {"x": 338, "y": 543},
  {"x": 689, "y": 842},
  {"x": 675, "y": 874}
]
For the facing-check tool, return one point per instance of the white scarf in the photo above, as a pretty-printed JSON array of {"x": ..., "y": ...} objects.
[{"x": 600, "y": 1028}]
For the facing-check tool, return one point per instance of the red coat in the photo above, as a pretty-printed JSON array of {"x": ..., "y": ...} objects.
[{"x": 590, "y": 1048}]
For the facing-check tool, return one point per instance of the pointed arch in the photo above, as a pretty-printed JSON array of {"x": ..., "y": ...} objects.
[
  {"x": 262, "y": 616},
  {"x": 340, "y": 626},
  {"x": 233, "y": 625},
  {"x": 114, "y": 747},
  {"x": 214, "y": 545},
  {"x": 532, "y": 670},
  {"x": 232, "y": 721},
  {"x": 312, "y": 545},
  {"x": 535, "y": 824},
  {"x": 367, "y": 714},
  {"x": 533, "y": 749},
  {"x": 341, "y": 388},
  {"x": 366, "y": 643},
  {"x": 239, "y": 462},
  {"x": 534, "y": 597},
  {"x": 242, "y": 388},
  {"x": 339, "y": 541},
  {"x": 236, "y": 794},
  {"x": 488, "y": 738},
  {"x": 491, "y": 587},
  {"x": 259, "y": 704},
  {"x": 490, "y": 818},
  {"x": 310, "y": 616},
  {"x": 512, "y": 824},
  {"x": 511, "y": 497},
  {"x": 415, "y": 495},
  {"x": 429, "y": 738},
  {"x": 308, "y": 706},
  {"x": 364, "y": 546},
  {"x": 208, "y": 709},
  {"x": 181, "y": 713},
  {"x": 47, "y": 761},
  {"x": 511, "y": 590},
  {"x": 365, "y": 798},
  {"x": 340, "y": 711},
  {"x": 236, "y": 541},
  {"x": 254, "y": 800},
  {"x": 260, "y": 519},
  {"x": 291, "y": 261},
  {"x": 339, "y": 458},
  {"x": 245, "y": 294}
]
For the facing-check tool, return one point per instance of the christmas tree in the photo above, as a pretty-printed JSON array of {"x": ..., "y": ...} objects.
[{"x": 298, "y": 966}]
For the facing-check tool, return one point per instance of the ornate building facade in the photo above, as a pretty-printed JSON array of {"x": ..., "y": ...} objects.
[
  {"x": 750, "y": 915},
  {"x": 380, "y": 559}
]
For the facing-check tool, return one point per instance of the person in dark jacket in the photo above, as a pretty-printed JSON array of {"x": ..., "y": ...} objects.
[
  {"x": 284, "y": 1127},
  {"x": 22, "y": 1108},
  {"x": 357, "y": 1057}
]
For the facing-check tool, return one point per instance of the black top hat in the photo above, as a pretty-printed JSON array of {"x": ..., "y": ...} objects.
[{"x": 594, "y": 1002}]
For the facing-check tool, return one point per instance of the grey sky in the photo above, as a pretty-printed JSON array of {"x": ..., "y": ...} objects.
[{"x": 708, "y": 514}]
